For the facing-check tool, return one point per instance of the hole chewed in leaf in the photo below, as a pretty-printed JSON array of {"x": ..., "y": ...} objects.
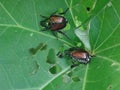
[
  {"x": 109, "y": 87},
  {"x": 51, "y": 57},
  {"x": 41, "y": 46},
  {"x": 35, "y": 68},
  {"x": 66, "y": 78},
  {"x": 70, "y": 74},
  {"x": 88, "y": 9},
  {"x": 55, "y": 69},
  {"x": 76, "y": 79}
]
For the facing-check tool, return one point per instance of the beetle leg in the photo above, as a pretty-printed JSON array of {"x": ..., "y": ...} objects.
[
  {"x": 64, "y": 12},
  {"x": 60, "y": 13},
  {"x": 43, "y": 29},
  {"x": 44, "y": 16},
  {"x": 55, "y": 34},
  {"x": 74, "y": 65},
  {"x": 64, "y": 34},
  {"x": 54, "y": 13}
]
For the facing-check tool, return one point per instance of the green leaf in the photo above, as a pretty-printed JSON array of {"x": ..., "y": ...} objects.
[
  {"x": 104, "y": 37},
  {"x": 24, "y": 48},
  {"x": 28, "y": 58}
]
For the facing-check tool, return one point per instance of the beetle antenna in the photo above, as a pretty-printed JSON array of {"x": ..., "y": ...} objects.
[
  {"x": 60, "y": 54},
  {"x": 43, "y": 16}
]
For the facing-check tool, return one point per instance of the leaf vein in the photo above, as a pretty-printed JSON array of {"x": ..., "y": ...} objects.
[
  {"x": 85, "y": 78},
  {"x": 35, "y": 31},
  {"x": 9, "y": 14},
  {"x": 116, "y": 45},
  {"x": 108, "y": 36},
  {"x": 108, "y": 59},
  {"x": 116, "y": 11},
  {"x": 100, "y": 29}
]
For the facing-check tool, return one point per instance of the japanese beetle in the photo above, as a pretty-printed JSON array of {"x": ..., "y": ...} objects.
[
  {"x": 77, "y": 54},
  {"x": 55, "y": 22}
]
